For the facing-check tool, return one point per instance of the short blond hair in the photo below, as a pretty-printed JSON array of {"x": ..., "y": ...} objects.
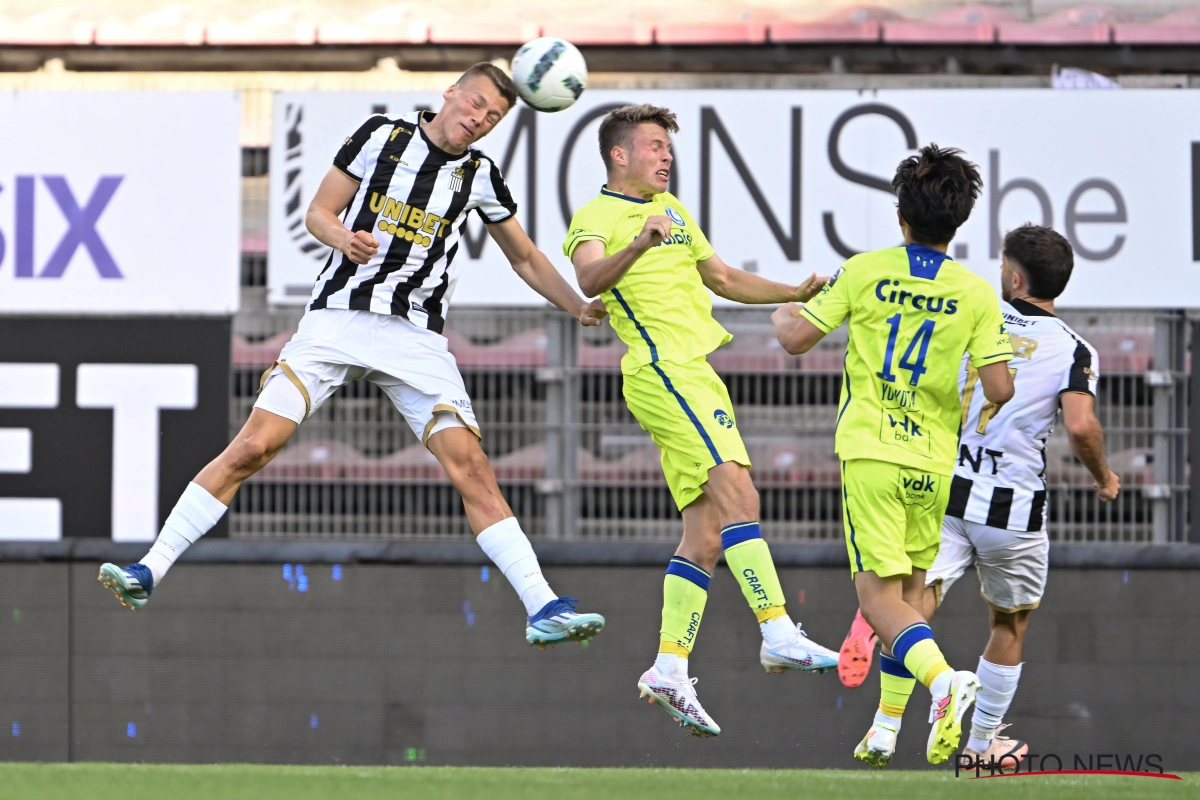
[{"x": 618, "y": 126}]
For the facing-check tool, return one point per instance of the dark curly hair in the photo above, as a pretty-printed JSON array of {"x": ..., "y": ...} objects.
[
  {"x": 1044, "y": 255},
  {"x": 935, "y": 191}
]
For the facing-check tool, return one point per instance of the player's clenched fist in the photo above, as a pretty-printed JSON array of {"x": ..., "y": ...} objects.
[
  {"x": 361, "y": 247},
  {"x": 656, "y": 231}
]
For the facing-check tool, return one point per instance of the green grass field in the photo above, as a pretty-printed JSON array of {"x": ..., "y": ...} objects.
[{"x": 252, "y": 782}]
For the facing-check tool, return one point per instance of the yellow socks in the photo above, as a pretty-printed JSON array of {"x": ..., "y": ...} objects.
[
  {"x": 749, "y": 560},
  {"x": 685, "y": 591},
  {"x": 915, "y": 648},
  {"x": 896, "y": 684}
]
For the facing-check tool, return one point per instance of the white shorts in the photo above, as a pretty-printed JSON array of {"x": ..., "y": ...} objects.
[
  {"x": 1012, "y": 565},
  {"x": 412, "y": 365}
]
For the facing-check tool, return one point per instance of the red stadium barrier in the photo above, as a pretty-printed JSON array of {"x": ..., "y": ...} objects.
[
  {"x": 964, "y": 25},
  {"x": 586, "y": 33},
  {"x": 1079, "y": 25},
  {"x": 710, "y": 33},
  {"x": 1179, "y": 27},
  {"x": 850, "y": 24}
]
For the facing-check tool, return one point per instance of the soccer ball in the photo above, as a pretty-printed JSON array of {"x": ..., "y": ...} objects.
[{"x": 550, "y": 73}]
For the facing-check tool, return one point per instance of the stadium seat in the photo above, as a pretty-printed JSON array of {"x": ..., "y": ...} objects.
[
  {"x": 525, "y": 349},
  {"x": 59, "y": 26},
  {"x": 413, "y": 464},
  {"x": 972, "y": 24},
  {"x": 312, "y": 460},
  {"x": 1178, "y": 27},
  {"x": 259, "y": 354},
  {"x": 280, "y": 26},
  {"x": 529, "y": 464},
  {"x": 600, "y": 33},
  {"x": 457, "y": 31},
  {"x": 170, "y": 26},
  {"x": 751, "y": 352},
  {"x": 700, "y": 33},
  {"x": 601, "y": 357},
  {"x": 391, "y": 25},
  {"x": 808, "y": 461},
  {"x": 850, "y": 24},
  {"x": 1090, "y": 24}
]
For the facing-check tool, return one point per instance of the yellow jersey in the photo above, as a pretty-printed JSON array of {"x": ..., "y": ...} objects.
[
  {"x": 660, "y": 308},
  {"x": 913, "y": 314}
]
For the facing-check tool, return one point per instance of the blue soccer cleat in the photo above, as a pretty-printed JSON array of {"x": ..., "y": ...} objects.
[
  {"x": 557, "y": 622},
  {"x": 132, "y": 585}
]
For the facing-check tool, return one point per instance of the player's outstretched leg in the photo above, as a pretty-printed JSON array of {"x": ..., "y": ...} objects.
[
  {"x": 199, "y": 509},
  {"x": 785, "y": 645},
  {"x": 998, "y": 678},
  {"x": 685, "y": 593},
  {"x": 551, "y": 619},
  {"x": 856, "y": 653}
]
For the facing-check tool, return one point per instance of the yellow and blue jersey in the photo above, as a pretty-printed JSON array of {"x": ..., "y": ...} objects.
[
  {"x": 660, "y": 308},
  {"x": 913, "y": 312}
]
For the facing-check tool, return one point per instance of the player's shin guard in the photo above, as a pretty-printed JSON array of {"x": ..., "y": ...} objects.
[
  {"x": 196, "y": 513},
  {"x": 685, "y": 591},
  {"x": 915, "y": 648},
  {"x": 749, "y": 560},
  {"x": 896, "y": 685}
]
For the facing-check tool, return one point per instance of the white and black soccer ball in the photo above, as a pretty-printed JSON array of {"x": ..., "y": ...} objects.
[{"x": 550, "y": 73}]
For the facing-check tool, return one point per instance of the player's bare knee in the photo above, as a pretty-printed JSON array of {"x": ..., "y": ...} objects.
[{"x": 248, "y": 454}]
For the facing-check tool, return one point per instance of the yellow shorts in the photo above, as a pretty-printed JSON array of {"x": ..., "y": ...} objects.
[
  {"x": 892, "y": 515},
  {"x": 686, "y": 410}
]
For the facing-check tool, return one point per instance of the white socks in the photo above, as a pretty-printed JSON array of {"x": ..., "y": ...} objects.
[
  {"x": 193, "y": 516},
  {"x": 509, "y": 549},
  {"x": 672, "y": 665},
  {"x": 779, "y": 631},
  {"x": 999, "y": 684}
]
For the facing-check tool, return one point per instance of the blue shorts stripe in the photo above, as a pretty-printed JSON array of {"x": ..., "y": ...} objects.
[
  {"x": 739, "y": 532},
  {"x": 645, "y": 334},
  {"x": 850, "y": 520},
  {"x": 918, "y": 631},
  {"x": 893, "y": 666},
  {"x": 682, "y": 568},
  {"x": 688, "y": 410}
]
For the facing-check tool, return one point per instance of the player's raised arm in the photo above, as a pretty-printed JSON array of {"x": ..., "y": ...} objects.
[
  {"x": 746, "y": 287},
  {"x": 324, "y": 218},
  {"x": 537, "y": 271},
  {"x": 597, "y": 274}
]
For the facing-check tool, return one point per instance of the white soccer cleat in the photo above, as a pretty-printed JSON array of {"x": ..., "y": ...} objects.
[
  {"x": 799, "y": 653},
  {"x": 678, "y": 697},
  {"x": 1003, "y": 753},
  {"x": 877, "y": 746}
]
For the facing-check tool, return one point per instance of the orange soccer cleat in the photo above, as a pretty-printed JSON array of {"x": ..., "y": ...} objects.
[{"x": 854, "y": 659}]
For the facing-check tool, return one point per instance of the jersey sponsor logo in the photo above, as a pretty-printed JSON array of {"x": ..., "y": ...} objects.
[
  {"x": 676, "y": 217},
  {"x": 723, "y": 419},
  {"x": 904, "y": 427},
  {"x": 676, "y": 238},
  {"x": 920, "y": 302},
  {"x": 414, "y": 224},
  {"x": 976, "y": 460}
]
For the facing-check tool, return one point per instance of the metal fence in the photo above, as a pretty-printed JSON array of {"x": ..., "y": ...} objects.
[{"x": 574, "y": 463}]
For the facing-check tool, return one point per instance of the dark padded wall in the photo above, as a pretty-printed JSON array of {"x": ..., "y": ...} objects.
[{"x": 403, "y": 664}]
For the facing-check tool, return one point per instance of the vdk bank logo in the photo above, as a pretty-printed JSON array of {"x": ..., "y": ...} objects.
[{"x": 81, "y": 227}]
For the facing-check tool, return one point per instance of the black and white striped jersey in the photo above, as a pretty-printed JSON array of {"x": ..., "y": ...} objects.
[
  {"x": 414, "y": 198},
  {"x": 999, "y": 479}
]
